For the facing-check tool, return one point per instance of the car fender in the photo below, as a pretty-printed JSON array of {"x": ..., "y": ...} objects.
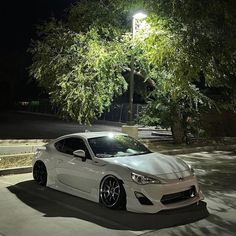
[
  {"x": 121, "y": 172},
  {"x": 43, "y": 154}
]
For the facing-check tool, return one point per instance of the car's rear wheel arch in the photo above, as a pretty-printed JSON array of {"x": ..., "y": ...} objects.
[{"x": 40, "y": 174}]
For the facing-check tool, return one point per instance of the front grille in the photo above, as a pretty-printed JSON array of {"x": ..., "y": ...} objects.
[{"x": 178, "y": 197}]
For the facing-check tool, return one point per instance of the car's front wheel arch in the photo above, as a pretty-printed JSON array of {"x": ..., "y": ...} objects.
[{"x": 112, "y": 192}]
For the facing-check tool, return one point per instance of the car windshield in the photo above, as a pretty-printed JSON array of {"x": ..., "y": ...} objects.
[{"x": 116, "y": 146}]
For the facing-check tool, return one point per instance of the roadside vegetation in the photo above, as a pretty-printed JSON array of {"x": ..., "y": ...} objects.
[{"x": 16, "y": 160}]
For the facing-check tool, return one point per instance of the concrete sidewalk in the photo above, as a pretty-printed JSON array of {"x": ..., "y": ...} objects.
[{"x": 18, "y": 149}]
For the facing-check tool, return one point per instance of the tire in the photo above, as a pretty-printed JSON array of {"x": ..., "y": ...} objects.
[
  {"x": 112, "y": 193},
  {"x": 40, "y": 173}
]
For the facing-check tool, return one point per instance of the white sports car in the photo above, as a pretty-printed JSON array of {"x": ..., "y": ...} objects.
[{"x": 116, "y": 170}]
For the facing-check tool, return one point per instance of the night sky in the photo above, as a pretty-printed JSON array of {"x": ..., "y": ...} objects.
[{"x": 18, "y": 19}]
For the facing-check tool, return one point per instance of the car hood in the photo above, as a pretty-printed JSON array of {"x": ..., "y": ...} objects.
[{"x": 152, "y": 163}]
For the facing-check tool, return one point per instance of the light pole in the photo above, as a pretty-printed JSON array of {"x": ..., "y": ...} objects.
[{"x": 136, "y": 18}]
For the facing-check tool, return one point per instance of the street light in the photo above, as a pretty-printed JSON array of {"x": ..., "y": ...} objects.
[{"x": 137, "y": 18}]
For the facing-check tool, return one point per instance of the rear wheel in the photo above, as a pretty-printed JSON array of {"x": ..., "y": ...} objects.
[
  {"x": 40, "y": 173},
  {"x": 112, "y": 192}
]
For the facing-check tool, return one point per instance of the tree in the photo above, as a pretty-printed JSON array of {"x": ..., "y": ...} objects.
[
  {"x": 80, "y": 65},
  {"x": 193, "y": 40},
  {"x": 175, "y": 97},
  {"x": 82, "y": 59}
]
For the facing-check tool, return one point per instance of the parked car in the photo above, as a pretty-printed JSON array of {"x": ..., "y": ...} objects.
[{"x": 116, "y": 170}]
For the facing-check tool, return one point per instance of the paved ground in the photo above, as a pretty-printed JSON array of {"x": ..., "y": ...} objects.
[
  {"x": 28, "y": 209},
  {"x": 217, "y": 175}
]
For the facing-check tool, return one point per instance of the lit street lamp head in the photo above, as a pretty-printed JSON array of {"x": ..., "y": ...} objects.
[
  {"x": 139, "y": 16},
  {"x": 138, "y": 22}
]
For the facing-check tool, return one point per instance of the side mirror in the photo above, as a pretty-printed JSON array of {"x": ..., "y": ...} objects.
[{"x": 80, "y": 153}]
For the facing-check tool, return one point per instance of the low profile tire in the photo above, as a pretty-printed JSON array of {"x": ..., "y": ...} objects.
[
  {"x": 40, "y": 173},
  {"x": 112, "y": 193}
]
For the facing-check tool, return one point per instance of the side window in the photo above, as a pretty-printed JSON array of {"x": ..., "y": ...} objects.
[
  {"x": 72, "y": 144},
  {"x": 59, "y": 145}
]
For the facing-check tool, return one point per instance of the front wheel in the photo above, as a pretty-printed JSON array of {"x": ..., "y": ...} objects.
[
  {"x": 40, "y": 173},
  {"x": 112, "y": 192}
]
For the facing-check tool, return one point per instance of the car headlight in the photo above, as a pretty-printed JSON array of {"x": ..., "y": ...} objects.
[{"x": 141, "y": 179}]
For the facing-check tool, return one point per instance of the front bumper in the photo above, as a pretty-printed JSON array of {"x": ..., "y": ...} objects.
[{"x": 155, "y": 192}]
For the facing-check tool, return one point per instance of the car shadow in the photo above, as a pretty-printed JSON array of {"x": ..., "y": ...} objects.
[{"x": 53, "y": 203}]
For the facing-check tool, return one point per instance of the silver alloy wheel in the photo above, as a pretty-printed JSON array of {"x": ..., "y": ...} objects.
[{"x": 110, "y": 191}]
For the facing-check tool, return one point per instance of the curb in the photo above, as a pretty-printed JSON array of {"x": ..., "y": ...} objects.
[{"x": 16, "y": 170}]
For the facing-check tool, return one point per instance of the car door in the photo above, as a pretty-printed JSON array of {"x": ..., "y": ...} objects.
[{"x": 72, "y": 171}]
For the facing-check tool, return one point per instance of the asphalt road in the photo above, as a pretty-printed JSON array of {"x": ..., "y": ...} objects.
[
  {"x": 16, "y": 125},
  {"x": 28, "y": 209},
  {"x": 20, "y": 125}
]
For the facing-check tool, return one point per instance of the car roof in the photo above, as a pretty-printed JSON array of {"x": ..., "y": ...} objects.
[{"x": 88, "y": 135}]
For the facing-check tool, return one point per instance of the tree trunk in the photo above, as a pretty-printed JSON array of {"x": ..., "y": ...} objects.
[{"x": 177, "y": 128}]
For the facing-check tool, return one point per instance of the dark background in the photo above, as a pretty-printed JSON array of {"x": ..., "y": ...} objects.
[{"x": 18, "y": 20}]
